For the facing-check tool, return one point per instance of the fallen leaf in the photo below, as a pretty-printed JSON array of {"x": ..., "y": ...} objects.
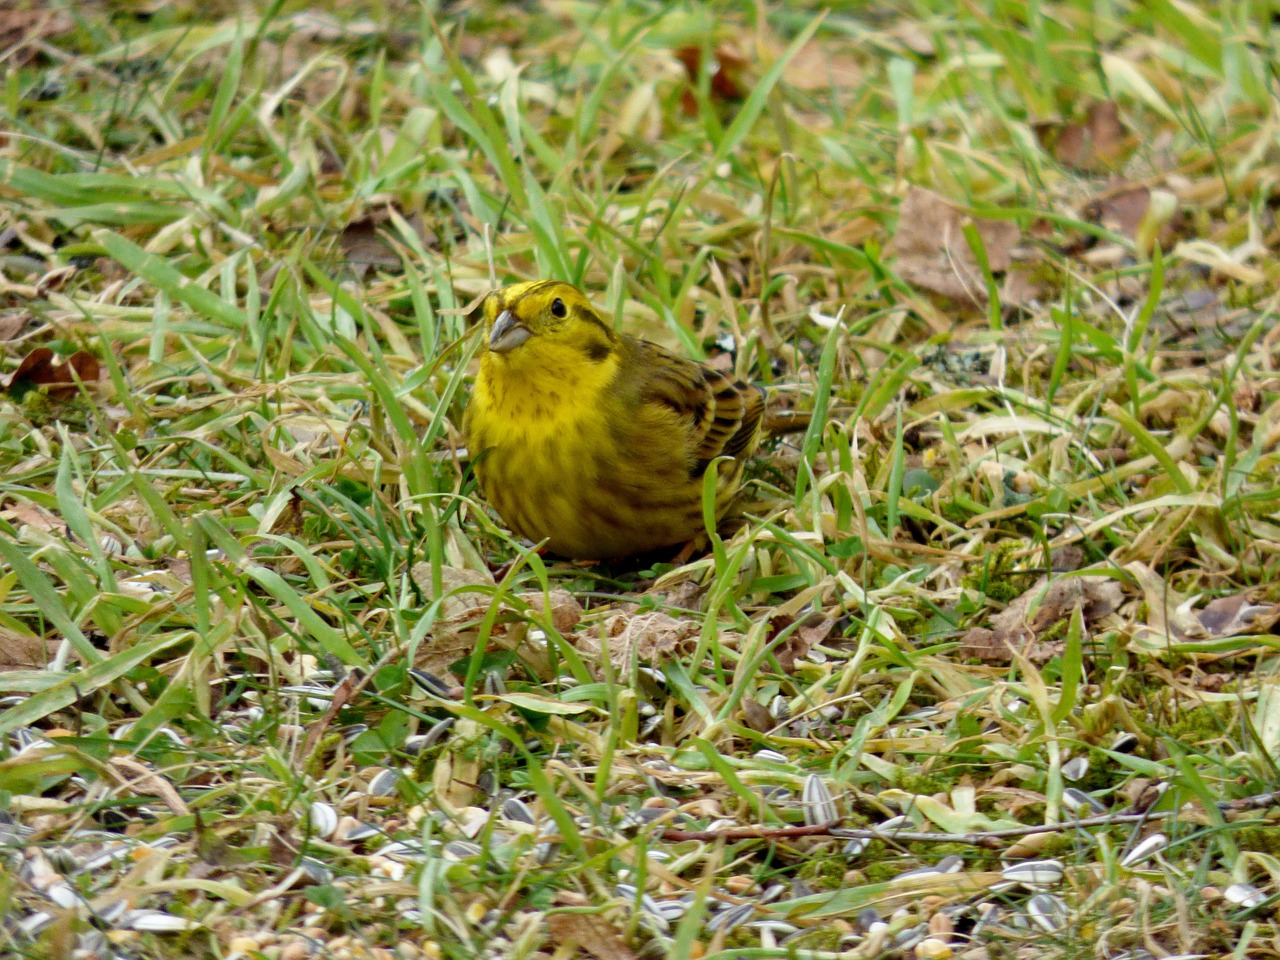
[
  {"x": 33, "y": 515},
  {"x": 756, "y": 716},
  {"x": 1096, "y": 142},
  {"x": 816, "y": 68},
  {"x": 461, "y": 610},
  {"x": 19, "y": 651},
  {"x": 726, "y": 70},
  {"x": 12, "y": 325},
  {"x": 1171, "y": 617},
  {"x": 1120, "y": 210},
  {"x": 38, "y": 369},
  {"x": 366, "y": 248},
  {"x": 646, "y": 637},
  {"x": 1018, "y": 628},
  {"x": 933, "y": 253},
  {"x": 566, "y": 611},
  {"x": 1237, "y": 614},
  {"x": 591, "y": 932}
]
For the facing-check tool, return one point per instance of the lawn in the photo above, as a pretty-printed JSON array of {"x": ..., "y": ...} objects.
[{"x": 985, "y": 669}]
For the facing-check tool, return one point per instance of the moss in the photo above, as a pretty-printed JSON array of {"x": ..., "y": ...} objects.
[
  {"x": 921, "y": 784},
  {"x": 995, "y": 577},
  {"x": 1259, "y": 839},
  {"x": 880, "y": 870},
  {"x": 826, "y": 872},
  {"x": 1202, "y": 723},
  {"x": 1058, "y": 845}
]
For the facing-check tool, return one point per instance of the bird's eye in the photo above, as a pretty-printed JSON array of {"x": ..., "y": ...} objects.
[{"x": 558, "y": 309}]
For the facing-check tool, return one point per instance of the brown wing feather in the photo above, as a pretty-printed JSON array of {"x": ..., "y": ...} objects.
[{"x": 723, "y": 415}]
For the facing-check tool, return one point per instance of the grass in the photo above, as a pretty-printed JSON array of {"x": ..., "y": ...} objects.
[{"x": 275, "y": 683}]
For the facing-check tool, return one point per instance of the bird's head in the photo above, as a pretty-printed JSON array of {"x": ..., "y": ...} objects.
[{"x": 545, "y": 319}]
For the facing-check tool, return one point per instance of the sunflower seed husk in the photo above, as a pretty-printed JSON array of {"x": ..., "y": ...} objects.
[
  {"x": 462, "y": 850},
  {"x": 672, "y": 909},
  {"x": 772, "y": 893},
  {"x": 924, "y": 713},
  {"x": 431, "y": 684},
  {"x": 324, "y": 819},
  {"x": 1034, "y": 873},
  {"x": 494, "y": 684},
  {"x": 909, "y": 937},
  {"x": 35, "y": 923},
  {"x": 1125, "y": 743},
  {"x": 732, "y": 917},
  {"x": 351, "y": 733},
  {"x": 1075, "y": 768},
  {"x": 855, "y": 847},
  {"x": 316, "y": 870},
  {"x": 437, "y": 732},
  {"x": 517, "y": 811},
  {"x": 317, "y": 697},
  {"x": 64, "y": 895},
  {"x": 351, "y": 830},
  {"x": 1048, "y": 912},
  {"x": 1244, "y": 894},
  {"x": 1146, "y": 849},
  {"x": 819, "y": 807},
  {"x": 1076, "y": 800},
  {"x": 771, "y": 756},
  {"x": 384, "y": 783},
  {"x": 402, "y": 850},
  {"x": 893, "y": 825}
]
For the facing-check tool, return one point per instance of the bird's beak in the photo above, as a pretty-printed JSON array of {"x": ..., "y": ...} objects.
[{"x": 507, "y": 333}]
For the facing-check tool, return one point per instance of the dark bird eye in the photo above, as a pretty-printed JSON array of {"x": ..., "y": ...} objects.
[{"x": 558, "y": 309}]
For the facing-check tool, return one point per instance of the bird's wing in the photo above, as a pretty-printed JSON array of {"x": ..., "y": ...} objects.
[{"x": 723, "y": 415}]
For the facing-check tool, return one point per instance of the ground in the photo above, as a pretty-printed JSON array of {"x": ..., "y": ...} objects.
[{"x": 984, "y": 670}]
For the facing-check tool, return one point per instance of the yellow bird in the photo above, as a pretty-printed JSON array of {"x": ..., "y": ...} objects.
[{"x": 595, "y": 441}]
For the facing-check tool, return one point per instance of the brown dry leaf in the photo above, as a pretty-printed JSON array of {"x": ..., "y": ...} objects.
[
  {"x": 38, "y": 369},
  {"x": 12, "y": 325},
  {"x": 933, "y": 253},
  {"x": 456, "y": 775},
  {"x": 816, "y": 68},
  {"x": 33, "y": 515},
  {"x": 1097, "y": 142},
  {"x": 756, "y": 717},
  {"x": 453, "y": 636},
  {"x": 19, "y": 651},
  {"x": 566, "y": 611},
  {"x": 647, "y": 637},
  {"x": 917, "y": 38},
  {"x": 136, "y": 777},
  {"x": 592, "y": 934},
  {"x": 727, "y": 75},
  {"x": 1238, "y": 614},
  {"x": 1019, "y": 626},
  {"x": 983, "y": 644},
  {"x": 1022, "y": 287},
  {"x": 365, "y": 246},
  {"x": 1171, "y": 618},
  {"x": 1121, "y": 209},
  {"x": 814, "y": 630}
]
